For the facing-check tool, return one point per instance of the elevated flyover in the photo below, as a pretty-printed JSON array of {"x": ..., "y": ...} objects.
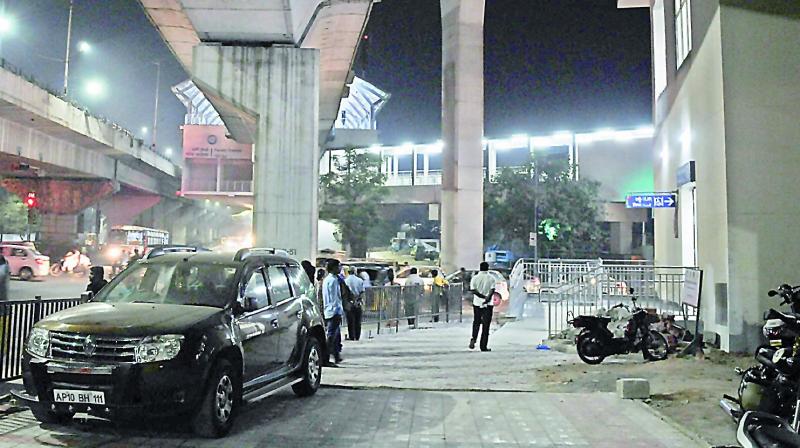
[{"x": 275, "y": 70}]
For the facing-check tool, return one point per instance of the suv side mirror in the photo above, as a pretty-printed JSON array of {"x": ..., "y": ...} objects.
[{"x": 250, "y": 304}]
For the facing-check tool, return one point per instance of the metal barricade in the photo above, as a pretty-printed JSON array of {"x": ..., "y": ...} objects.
[
  {"x": 582, "y": 288},
  {"x": 387, "y": 308},
  {"x": 16, "y": 320}
]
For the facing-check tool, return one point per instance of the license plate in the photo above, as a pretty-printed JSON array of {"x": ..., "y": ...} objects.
[{"x": 79, "y": 396}]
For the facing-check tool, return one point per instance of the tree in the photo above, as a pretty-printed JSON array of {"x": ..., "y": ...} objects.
[
  {"x": 13, "y": 214},
  {"x": 350, "y": 196},
  {"x": 569, "y": 211}
]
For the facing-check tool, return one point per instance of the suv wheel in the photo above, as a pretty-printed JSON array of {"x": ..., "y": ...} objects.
[
  {"x": 220, "y": 402},
  {"x": 45, "y": 415},
  {"x": 311, "y": 372},
  {"x": 26, "y": 274}
]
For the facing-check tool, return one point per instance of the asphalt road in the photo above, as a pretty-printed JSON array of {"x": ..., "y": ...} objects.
[{"x": 66, "y": 286}]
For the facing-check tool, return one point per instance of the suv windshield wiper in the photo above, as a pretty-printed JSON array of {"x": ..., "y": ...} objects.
[{"x": 142, "y": 301}]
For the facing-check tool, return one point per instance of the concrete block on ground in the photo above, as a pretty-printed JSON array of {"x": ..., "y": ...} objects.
[{"x": 633, "y": 388}]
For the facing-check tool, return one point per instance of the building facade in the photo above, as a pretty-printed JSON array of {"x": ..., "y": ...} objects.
[{"x": 726, "y": 111}]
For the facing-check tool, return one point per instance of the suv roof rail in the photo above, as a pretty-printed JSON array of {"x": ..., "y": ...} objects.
[
  {"x": 158, "y": 251},
  {"x": 241, "y": 254}
]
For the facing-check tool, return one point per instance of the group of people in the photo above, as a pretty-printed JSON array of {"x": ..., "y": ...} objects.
[{"x": 340, "y": 295}]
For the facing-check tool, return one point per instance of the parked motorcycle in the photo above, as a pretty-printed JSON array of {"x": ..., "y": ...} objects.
[
  {"x": 596, "y": 342},
  {"x": 767, "y": 386},
  {"x": 764, "y": 430}
]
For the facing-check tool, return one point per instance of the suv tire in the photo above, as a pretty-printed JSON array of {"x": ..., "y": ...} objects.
[
  {"x": 311, "y": 371},
  {"x": 220, "y": 402},
  {"x": 47, "y": 416}
]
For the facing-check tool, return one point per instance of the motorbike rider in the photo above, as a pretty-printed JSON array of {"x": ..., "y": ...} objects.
[{"x": 71, "y": 260}]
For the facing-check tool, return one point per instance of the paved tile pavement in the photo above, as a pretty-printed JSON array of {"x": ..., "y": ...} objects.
[
  {"x": 388, "y": 418},
  {"x": 420, "y": 388}
]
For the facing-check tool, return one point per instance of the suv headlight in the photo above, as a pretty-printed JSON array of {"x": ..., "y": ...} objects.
[
  {"x": 158, "y": 348},
  {"x": 38, "y": 342}
]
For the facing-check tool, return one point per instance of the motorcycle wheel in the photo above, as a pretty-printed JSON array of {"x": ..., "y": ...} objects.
[
  {"x": 582, "y": 344},
  {"x": 655, "y": 346},
  {"x": 55, "y": 270}
]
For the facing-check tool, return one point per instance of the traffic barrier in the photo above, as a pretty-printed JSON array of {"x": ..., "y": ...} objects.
[
  {"x": 587, "y": 287},
  {"x": 16, "y": 320},
  {"x": 390, "y": 307}
]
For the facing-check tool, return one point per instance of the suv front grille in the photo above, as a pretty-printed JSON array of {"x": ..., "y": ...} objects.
[{"x": 80, "y": 347}]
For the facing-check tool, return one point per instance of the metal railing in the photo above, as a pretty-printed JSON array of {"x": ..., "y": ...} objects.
[
  {"x": 390, "y": 307},
  {"x": 236, "y": 186},
  {"x": 575, "y": 287},
  {"x": 407, "y": 178},
  {"x": 16, "y": 320}
]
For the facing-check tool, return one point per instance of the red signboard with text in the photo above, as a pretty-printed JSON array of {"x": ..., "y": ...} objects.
[{"x": 210, "y": 142}]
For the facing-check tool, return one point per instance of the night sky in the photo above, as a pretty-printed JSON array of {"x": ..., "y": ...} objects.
[
  {"x": 124, "y": 46},
  {"x": 550, "y": 65}
]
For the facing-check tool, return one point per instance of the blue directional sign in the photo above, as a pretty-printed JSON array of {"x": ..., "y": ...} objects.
[{"x": 652, "y": 200}]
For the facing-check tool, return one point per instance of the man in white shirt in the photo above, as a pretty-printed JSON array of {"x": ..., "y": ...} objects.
[
  {"x": 482, "y": 286},
  {"x": 411, "y": 295}
]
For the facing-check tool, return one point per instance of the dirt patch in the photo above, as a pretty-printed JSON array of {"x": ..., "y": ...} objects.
[{"x": 687, "y": 390}]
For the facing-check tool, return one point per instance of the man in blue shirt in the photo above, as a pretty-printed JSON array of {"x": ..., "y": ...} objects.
[
  {"x": 332, "y": 300},
  {"x": 353, "y": 314}
]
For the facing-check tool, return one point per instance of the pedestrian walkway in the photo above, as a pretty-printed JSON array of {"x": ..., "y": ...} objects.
[
  {"x": 416, "y": 388},
  {"x": 436, "y": 357}
]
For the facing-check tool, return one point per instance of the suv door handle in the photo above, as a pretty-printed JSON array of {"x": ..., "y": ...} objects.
[{"x": 275, "y": 323}]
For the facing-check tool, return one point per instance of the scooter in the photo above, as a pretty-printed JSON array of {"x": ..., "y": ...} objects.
[
  {"x": 596, "y": 342},
  {"x": 56, "y": 269}
]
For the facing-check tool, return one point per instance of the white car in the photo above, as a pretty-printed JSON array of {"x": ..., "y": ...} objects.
[
  {"x": 25, "y": 262},
  {"x": 501, "y": 285},
  {"x": 423, "y": 271}
]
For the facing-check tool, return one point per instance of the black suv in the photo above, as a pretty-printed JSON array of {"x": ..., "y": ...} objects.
[{"x": 181, "y": 333}]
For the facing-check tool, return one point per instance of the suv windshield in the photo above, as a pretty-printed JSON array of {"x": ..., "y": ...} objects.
[{"x": 178, "y": 283}]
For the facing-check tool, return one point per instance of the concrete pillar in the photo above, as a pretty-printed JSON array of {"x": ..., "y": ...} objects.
[
  {"x": 279, "y": 86},
  {"x": 462, "y": 133},
  {"x": 59, "y": 229}
]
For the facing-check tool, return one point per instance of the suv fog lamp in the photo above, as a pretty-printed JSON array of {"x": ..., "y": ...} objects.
[
  {"x": 38, "y": 342},
  {"x": 158, "y": 348}
]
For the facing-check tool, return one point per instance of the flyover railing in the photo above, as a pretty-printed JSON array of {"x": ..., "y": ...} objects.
[
  {"x": 388, "y": 308},
  {"x": 16, "y": 320}
]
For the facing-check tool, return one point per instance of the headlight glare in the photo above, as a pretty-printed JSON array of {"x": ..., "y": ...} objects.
[
  {"x": 158, "y": 348},
  {"x": 38, "y": 342}
]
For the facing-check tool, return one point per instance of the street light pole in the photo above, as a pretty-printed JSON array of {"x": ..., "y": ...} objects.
[
  {"x": 69, "y": 44},
  {"x": 155, "y": 113}
]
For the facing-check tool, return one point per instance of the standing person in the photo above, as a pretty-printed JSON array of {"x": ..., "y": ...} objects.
[
  {"x": 135, "y": 256},
  {"x": 309, "y": 268},
  {"x": 353, "y": 315},
  {"x": 332, "y": 299},
  {"x": 390, "y": 277},
  {"x": 482, "y": 286},
  {"x": 439, "y": 282},
  {"x": 96, "y": 280},
  {"x": 411, "y": 297},
  {"x": 367, "y": 281},
  {"x": 318, "y": 284}
]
